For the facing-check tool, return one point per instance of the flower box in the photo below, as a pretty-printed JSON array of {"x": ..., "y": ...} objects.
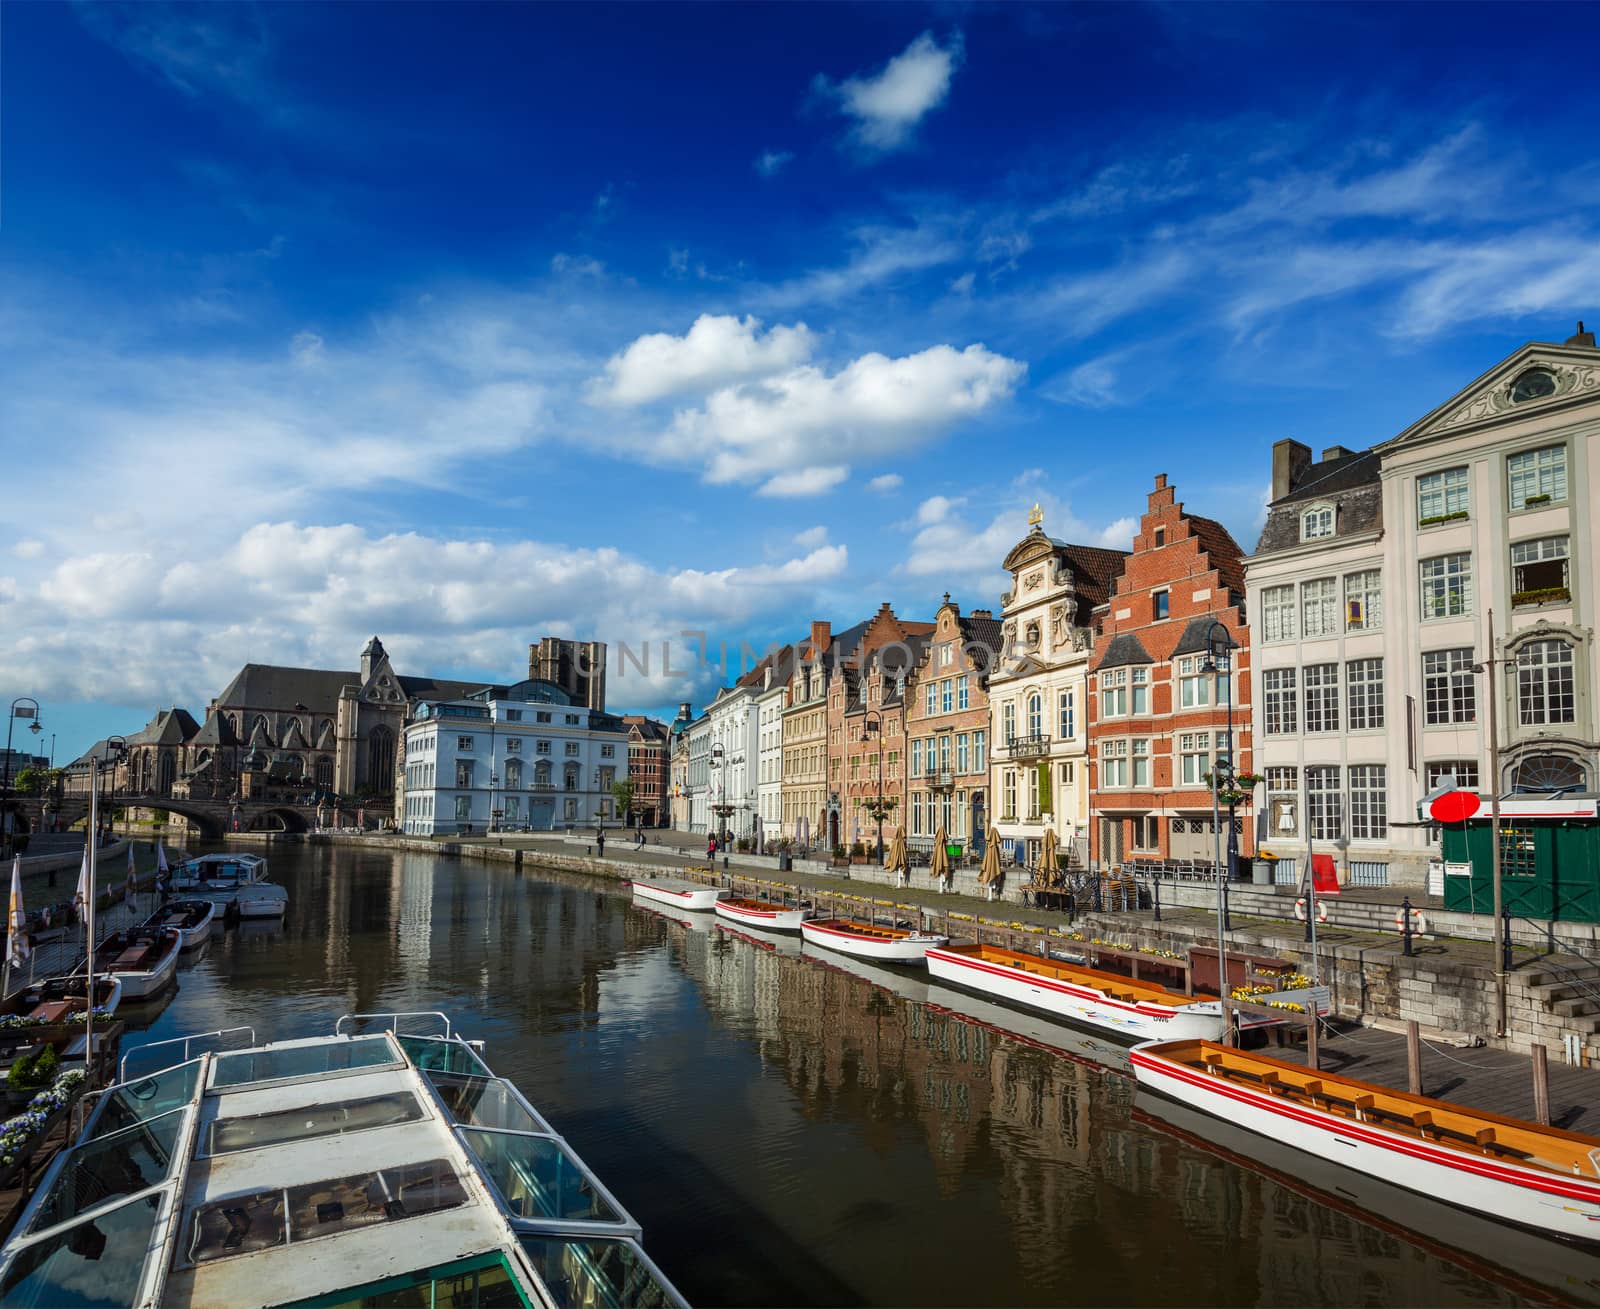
[
  {"x": 21, "y": 1134},
  {"x": 1542, "y": 595},
  {"x": 1460, "y": 515}
]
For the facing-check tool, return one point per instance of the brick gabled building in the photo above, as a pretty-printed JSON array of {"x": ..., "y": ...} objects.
[
  {"x": 648, "y": 766},
  {"x": 1157, "y": 721}
]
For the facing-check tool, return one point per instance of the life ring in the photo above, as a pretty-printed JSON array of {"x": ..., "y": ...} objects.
[
  {"x": 1419, "y": 924},
  {"x": 1300, "y": 910}
]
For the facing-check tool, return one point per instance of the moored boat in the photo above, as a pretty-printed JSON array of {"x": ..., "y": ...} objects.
[
  {"x": 143, "y": 960},
  {"x": 42, "y": 1011},
  {"x": 1538, "y": 1177},
  {"x": 676, "y": 893},
  {"x": 760, "y": 914},
  {"x": 1134, "y": 1010},
  {"x": 235, "y": 883},
  {"x": 191, "y": 919},
  {"x": 895, "y": 945}
]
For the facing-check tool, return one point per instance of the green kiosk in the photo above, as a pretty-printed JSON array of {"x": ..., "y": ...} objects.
[{"x": 1549, "y": 859}]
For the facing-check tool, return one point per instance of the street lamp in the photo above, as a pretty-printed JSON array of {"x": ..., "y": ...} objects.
[
  {"x": 1488, "y": 665},
  {"x": 872, "y": 725},
  {"x": 1219, "y": 658},
  {"x": 116, "y": 751},
  {"x": 30, "y": 709},
  {"x": 494, "y": 814}
]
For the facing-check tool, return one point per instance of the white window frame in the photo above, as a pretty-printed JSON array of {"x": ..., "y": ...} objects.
[
  {"x": 1446, "y": 491},
  {"x": 1364, "y": 589},
  {"x": 1279, "y": 613},
  {"x": 1541, "y": 471},
  {"x": 1317, "y": 522},
  {"x": 1445, "y": 586}
]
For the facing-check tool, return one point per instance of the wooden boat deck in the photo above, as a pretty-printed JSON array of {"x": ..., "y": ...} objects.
[
  {"x": 1113, "y": 985},
  {"x": 765, "y": 906},
  {"x": 1471, "y": 1131},
  {"x": 863, "y": 929}
]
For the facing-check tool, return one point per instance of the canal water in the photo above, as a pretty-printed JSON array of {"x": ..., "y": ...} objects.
[{"x": 794, "y": 1129}]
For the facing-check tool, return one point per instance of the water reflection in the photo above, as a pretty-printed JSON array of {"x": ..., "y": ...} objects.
[{"x": 794, "y": 1127}]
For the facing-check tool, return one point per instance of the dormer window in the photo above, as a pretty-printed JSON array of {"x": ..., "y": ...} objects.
[{"x": 1316, "y": 523}]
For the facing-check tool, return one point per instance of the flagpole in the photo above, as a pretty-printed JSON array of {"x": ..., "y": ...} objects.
[{"x": 88, "y": 958}]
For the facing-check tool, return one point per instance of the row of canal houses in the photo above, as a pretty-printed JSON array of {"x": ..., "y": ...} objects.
[{"x": 1346, "y": 667}]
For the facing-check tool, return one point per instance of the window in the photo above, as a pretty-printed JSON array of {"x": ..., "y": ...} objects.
[
  {"x": 1114, "y": 693},
  {"x": 513, "y": 715},
  {"x": 946, "y": 696},
  {"x": 463, "y": 743},
  {"x": 608, "y": 752},
  {"x": 1161, "y": 536},
  {"x": 1066, "y": 719},
  {"x": 1277, "y": 613},
  {"x": 1008, "y": 721},
  {"x": 980, "y": 753},
  {"x": 1441, "y": 494},
  {"x": 571, "y": 780},
  {"x": 1369, "y": 802},
  {"x": 463, "y": 808},
  {"x": 463, "y": 772},
  {"x": 1319, "y": 607},
  {"x": 572, "y": 720},
  {"x": 1196, "y": 688},
  {"x": 1545, "y": 686},
  {"x": 916, "y": 758},
  {"x": 1034, "y": 809},
  {"x": 1449, "y": 694},
  {"x": 1282, "y": 711},
  {"x": 1465, "y": 771},
  {"x": 947, "y": 654},
  {"x": 1447, "y": 586},
  {"x": 1009, "y": 792},
  {"x": 1322, "y": 697},
  {"x": 1141, "y": 762},
  {"x": 542, "y": 716},
  {"x": 541, "y": 747},
  {"x": 1194, "y": 757},
  {"x": 1538, "y": 566},
  {"x": 1538, "y": 477},
  {"x": 1363, "y": 601},
  {"x": 1316, "y": 523},
  {"x": 572, "y": 748},
  {"x": 513, "y": 774},
  {"x": 1035, "y": 715},
  {"x": 1322, "y": 792},
  {"x": 1160, "y": 604},
  {"x": 1113, "y": 763},
  {"x": 1141, "y": 690},
  {"x": 513, "y": 745},
  {"x": 916, "y": 813},
  {"x": 963, "y": 692},
  {"x": 1066, "y": 774},
  {"x": 1517, "y": 852},
  {"x": 963, "y": 754},
  {"x": 1364, "y": 682}
]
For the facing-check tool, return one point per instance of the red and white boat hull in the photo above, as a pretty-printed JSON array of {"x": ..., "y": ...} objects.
[
  {"x": 775, "y": 918},
  {"x": 1510, "y": 1192},
  {"x": 898, "y": 950},
  {"x": 677, "y": 895},
  {"x": 1078, "y": 1003}
]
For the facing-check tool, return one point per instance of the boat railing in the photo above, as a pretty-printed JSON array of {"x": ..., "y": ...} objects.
[
  {"x": 187, "y": 1042},
  {"x": 392, "y": 1022}
]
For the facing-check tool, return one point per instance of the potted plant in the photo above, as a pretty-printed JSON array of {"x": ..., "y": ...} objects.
[{"x": 31, "y": 1074}]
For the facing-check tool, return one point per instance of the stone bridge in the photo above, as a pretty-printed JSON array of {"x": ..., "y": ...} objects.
[{"x": 214, "y": 818}]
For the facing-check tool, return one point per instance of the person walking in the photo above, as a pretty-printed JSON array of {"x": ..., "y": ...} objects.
[
  {"x": 638, "y": 836},
  {"x": 711, "y": 847},
  {"x": 600, "y": 842}
]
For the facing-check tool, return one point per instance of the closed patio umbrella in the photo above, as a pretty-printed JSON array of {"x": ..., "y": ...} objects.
[
  {"x": 989, "y": 873},
  {"x": 899, "y": 857},
  {"x": 1049, "y": 861},
  {"x": 940, "y": 867}
]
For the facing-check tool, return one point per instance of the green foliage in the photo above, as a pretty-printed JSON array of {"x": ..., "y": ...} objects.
[
  {"x": 622, "y": 793},
  {"x": 1541, "y": 595},
  {"x": 1436, "y": 519},
  {"x": 35, "y": 1071},
  {"x": 30, "y": 781}
]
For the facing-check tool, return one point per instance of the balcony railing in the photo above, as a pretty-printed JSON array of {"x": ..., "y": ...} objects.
[
  {"x": 937, "y": 777},
  {"x": 1026, "y": 747}
]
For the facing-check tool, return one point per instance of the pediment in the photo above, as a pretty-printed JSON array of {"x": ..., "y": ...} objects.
[
  {"x": 1032, "y": 549},
  {"x": 1575, "y": 371}
]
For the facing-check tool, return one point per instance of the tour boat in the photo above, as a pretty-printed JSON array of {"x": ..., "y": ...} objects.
[
  {"x": 1538, "y": 1177},
  {"x": 144, "y": 960},
  {"x": 762, "y": 914},
  {"x": 355, "y": 1168},
  {"x": 676, "y": 893},
  {"x": 1134, "y": 1010},
  {"x": 190, "y": 918},
  {"x": 893, "y": 945},
  {"x": 235, "y": 883}
]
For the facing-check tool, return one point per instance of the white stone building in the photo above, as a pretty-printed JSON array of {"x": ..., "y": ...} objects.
[
  {"x": 697, "y": 787},
  {"x": 770, "y": 702},
  {"x": 735, "y": 756},
  {"x": 1370, "y": 596},
  {"x": 514, "y": 757}
]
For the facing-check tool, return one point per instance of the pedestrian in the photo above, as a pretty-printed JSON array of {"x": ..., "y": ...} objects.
[
  {"x": 711, "y": 847},
  {"x": 600, "y": 842},
  {"x": 638, "y": 834}
]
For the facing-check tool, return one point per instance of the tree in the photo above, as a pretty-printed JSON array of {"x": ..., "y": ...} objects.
[
  {"x": 30, "y": 781},
  {"x": 622, "y": 793}
]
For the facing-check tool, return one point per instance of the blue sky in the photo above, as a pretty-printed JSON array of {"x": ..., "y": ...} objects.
[{"x": 463, "y": 324}]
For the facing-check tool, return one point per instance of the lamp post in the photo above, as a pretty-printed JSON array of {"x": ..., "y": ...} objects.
[
  {"x": 30, "y": 709},
  {"x": 1488, "y": 666},
  {"x": 494, "y": 814},
  {"x": 719, "y": 765},
  {"x": 115, "y": 752},
  {"x": 872, "y": 725},
  {"x": 1219, "y": 658}
]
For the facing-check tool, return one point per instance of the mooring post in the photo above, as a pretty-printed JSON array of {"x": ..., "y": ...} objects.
[
  {"x": 1405, "y": 927},
  {"x": 1413, "y": 1057},
  {"x": 1505, "y": 939},
  {"x": 1311, "y": 1038},
  {"x": 1541, "y": 1088},
  {"x": 1155, "y": 888},
  {"x": 1227, "y": 918}
]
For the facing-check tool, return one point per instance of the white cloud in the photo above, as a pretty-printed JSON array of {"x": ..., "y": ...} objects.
[
  {"x": 935, "y": 509},
  {"x": 717, "y": 350},
  {"x": 1119, "y": 535},
  {"x": 812, "y": 537},
  {"x": 886, "y": 482},
  {"x": 306, "y": 349},
  {"x": 946, "y": 543},
  {"x": 963, "y": 284},
  {"x": 28, "y": 549},
  {"x": 565, "y": 265},
  {"x": 804, "y": 482},
  {"x": 882, "y": 255},
  {"x": 888, "y": 105},
  {"x": 872, "y": 408},
  {"x": 769, "y": 163}
]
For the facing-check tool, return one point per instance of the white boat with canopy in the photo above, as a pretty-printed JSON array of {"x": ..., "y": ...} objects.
[
  {"x": 362, "y": 1167},
  {"x": 233, "y": 881}
]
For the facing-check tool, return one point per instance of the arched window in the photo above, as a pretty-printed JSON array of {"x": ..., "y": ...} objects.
[
  {"x": 1035, "y": 714},
  {"x": 1546, "y": 692},
  {"x": 380, "y": 760},
  {"x": 325, "y": 771},
  {"x": 1316, "y": 523},
  {"x": 166, "y": 773},
  {"x": 1550, "y": 772}
]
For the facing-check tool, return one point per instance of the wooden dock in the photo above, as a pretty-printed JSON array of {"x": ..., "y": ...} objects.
[{"x": 1480, "y": 1078}]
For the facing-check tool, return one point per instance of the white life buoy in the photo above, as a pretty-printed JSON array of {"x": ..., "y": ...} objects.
[
  {"x": 1419, "y": 924},
  {"x": 1300, "y": 910}
]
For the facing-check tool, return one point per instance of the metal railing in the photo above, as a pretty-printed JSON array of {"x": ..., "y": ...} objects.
[
  {"x": 1025, "y": 747},
  {"x": 394, "y": 1018},
  {"x": 184, "y": 1041}
]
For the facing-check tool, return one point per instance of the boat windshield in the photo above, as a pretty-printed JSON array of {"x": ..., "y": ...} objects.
[
  {"x": 485, "y": 1102},
  {"x": 588, "y": 1273},
  {"x": 110, "y": 1167},
  {"x": 443, "y": 1054},
  {"x": 538, "y": 1178},
  {"x": 97, "y": 1262},
  {"x": 135, "y": 1102},
  {"x": 255, "y": 1131},
  {"x": 277, "y": 1063}
]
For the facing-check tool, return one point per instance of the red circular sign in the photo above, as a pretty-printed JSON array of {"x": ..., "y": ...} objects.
[{"x": 1454, "y": 807}]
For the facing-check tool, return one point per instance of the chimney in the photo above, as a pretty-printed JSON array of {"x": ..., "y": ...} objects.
[
  {"x": 1581, "y": 337},
  {"x": 1290, "y": 460},
  {"x": 1161, "y": 481},
  {"x": 1333, "y": 452},
  {"x": 982, "y": 613},
  {"x": 821, "y": 638}
]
